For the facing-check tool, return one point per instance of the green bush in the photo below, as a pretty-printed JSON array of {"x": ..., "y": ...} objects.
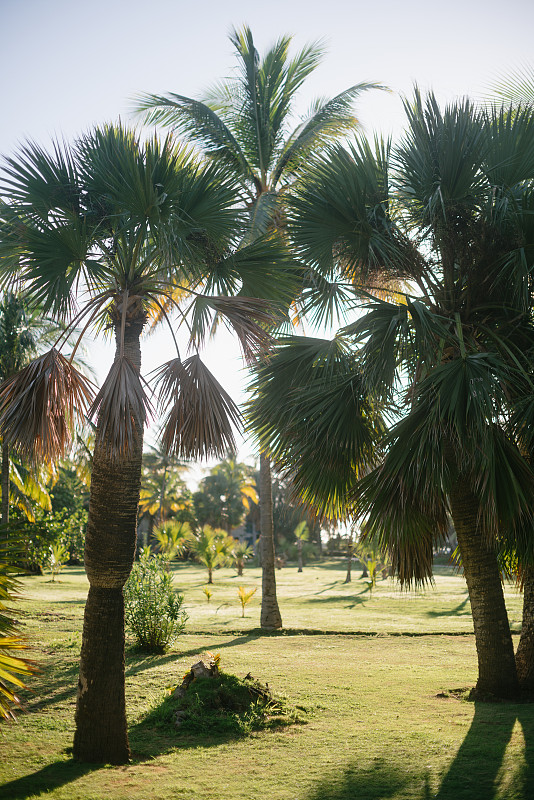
[{"x": 153, "y": 610}]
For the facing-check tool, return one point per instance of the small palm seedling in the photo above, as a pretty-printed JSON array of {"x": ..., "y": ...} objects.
[
  {"x": 207, "y": 591},
  {"x": 57, "y": 558},
  {"x": 244, "y": 597}
]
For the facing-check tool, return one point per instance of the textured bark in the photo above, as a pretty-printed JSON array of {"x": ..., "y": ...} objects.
[
  {"x": 524, "y": 657},
  {"x": 496, "y": 664},
  {"x": 270, "y": 613},
  {"x": 101, "y": 732},
  {"x": 101, "y": 735},
  {"x": 5, "y": 483}
]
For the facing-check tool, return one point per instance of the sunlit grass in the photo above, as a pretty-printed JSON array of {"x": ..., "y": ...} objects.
[{"x": 376, "y": 725}]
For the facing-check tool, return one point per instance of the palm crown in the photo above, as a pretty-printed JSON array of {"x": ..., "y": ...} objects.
[{"x": 245, "y": 121}]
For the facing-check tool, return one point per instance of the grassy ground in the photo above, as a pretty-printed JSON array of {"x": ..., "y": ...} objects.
[{"x": 381, "y": 721}]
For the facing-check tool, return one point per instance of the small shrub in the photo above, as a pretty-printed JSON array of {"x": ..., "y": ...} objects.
[{"x": 153, "y": 610}]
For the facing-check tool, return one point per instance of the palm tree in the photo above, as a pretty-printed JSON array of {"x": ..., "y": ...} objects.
[
  {"x": 517, "y": 89},
  {"x": 172, "y": 538},
  {"x": 120, "y": 225},
  {"x": 241, "y": 552},
  {"x": 447, "y": 360},
  {"x": 302, "y": 535},
  {"x": 245, "y": 124},
  {"x": 226, "y": 494},
  {"x": 211, "y": 547}
]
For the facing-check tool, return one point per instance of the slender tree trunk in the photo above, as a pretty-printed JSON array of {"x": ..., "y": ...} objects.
[
  {"x": 496, "y": 664},
  {"x": 270, "y": 613},
  {"x": 240, "y": 568},
  {"x": 350, "y": 550},
  {"x": 524, "y": 657},
  {"x": 101, "y": 730},
  {"x": 5, "y": 483},
  {"x": 210, "y": 575},
  {"x": 299, "y": 548}
]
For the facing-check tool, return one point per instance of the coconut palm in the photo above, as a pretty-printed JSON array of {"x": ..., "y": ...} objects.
[
  {"x": 120, "y": 226},
  {"x": 163, "y": 489},
  {"x": 226, "y": 494},
  {"x": 246, "y": 123},
  {"x": 448, "y": 360}
]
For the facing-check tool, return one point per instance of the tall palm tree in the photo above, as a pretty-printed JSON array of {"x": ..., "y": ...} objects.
[
  {"x": 118, "y": 225},
  {"x": 245, "y": 123},
  {"x": 448, "y": 361}
]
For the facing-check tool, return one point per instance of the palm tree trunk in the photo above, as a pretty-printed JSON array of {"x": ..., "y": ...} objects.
[
  {"x": 5, "y": 483},
  {"x": 524, "y": 657},
  {"x": 270, "y": 613},
  {"x": 101, "y": 731},
  {"x": 299, "y": 548},
  {"x": 496, "y": 664},
  {"x": 350, "y": 549}
]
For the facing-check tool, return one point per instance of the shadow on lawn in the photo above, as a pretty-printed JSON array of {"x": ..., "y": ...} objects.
[
  {"x": 46, "y": 779},
  {"x": 462, "y": 609},
  {"x": 476, "y": 772}
]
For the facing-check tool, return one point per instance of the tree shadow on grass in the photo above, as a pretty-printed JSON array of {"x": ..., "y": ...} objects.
[
  {"x": 462, "y": 609},
  {"x": 137, "y": 661},
  {"x": 475, "y": 773},
  {"x": 476, "y": 770},
  {"x": 378, "y": 782},
  {"x": 46, "y": 779}
]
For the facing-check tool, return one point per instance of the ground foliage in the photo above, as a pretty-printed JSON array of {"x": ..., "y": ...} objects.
[{"x": 225, "y": 706}]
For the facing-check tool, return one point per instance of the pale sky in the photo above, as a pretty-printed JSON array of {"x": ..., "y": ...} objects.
[{"x": 66, "y": 65}]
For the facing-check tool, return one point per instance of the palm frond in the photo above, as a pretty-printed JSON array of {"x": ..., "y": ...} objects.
[
  {"x": 327, "y": 121},
  {"x": 199, "y": 422},
  {"x": 38, "y": 406},
  {"x": 200, "y": 124},
  {"x": 324, "y": 433},
  {"x": 122, "y": 407}
]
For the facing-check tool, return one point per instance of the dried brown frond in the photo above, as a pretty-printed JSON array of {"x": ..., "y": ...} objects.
[
  {"x": 122, "y": 407},
  {"x": 38, "y": 406},
  {"x": 250, "y": 318},
  {"x": 199, "y": 423}
]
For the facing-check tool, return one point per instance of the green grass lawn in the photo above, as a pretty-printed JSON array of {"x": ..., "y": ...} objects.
[{"x": 381, "y": 721}]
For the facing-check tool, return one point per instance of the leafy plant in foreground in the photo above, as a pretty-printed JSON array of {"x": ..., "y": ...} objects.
[{"x": 153, "y": 610}]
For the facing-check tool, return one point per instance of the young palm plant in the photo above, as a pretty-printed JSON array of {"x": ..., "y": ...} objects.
[
  {"x": 246, "y": 123},
  {"x": 211, "y": 547},
  {"x": 446, "y": 361},
  {"x": 101, "y": 233}
]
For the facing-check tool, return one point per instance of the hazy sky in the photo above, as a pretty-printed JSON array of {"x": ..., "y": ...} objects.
[{"x": 68, "y": 64}]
